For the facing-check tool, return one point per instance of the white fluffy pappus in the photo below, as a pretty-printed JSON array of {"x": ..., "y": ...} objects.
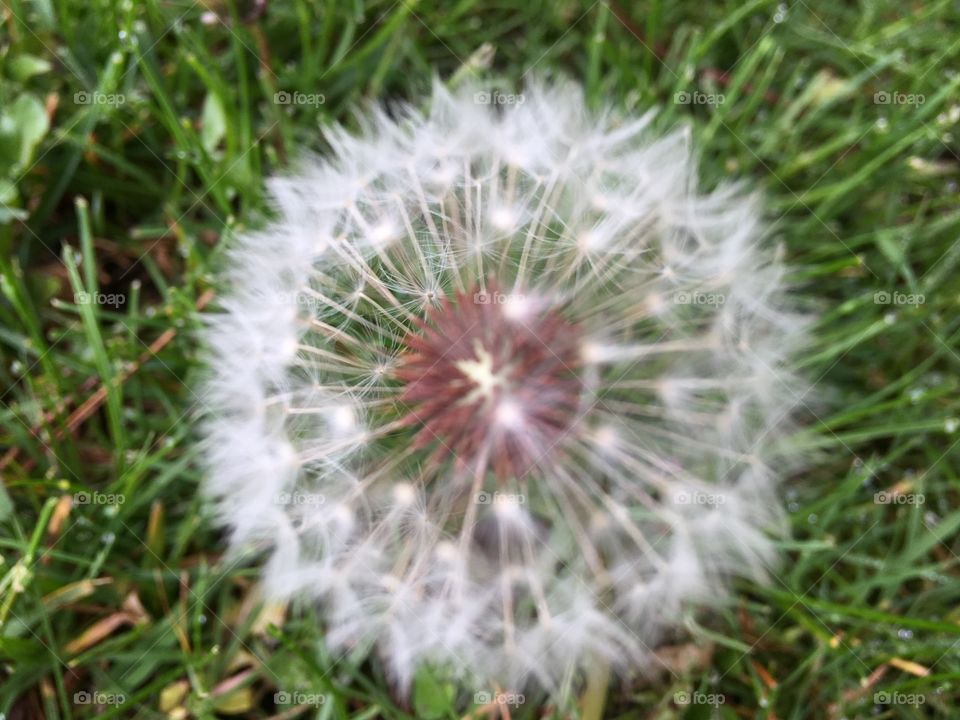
[{"x": 500, "y": 390}]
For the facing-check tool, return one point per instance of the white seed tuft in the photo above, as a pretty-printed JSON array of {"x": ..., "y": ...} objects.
[{"x": 591, "y": 448}]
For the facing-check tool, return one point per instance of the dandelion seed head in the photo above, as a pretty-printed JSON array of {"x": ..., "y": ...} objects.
[
  {"x": 383, "y": 232},
  {"x": 504, "y": 218},
  {"x": 519, "y": 308},
  {"x": 404, "y": 494},
  {"x": 537, "y": 377},
  {"x": 509, "y": 414},
  {"x": 605, "y": 438},
  {"x": 342, "y": 419}
]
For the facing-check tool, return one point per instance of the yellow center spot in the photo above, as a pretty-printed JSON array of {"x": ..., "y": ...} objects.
[{"x": 480, "y": 372}]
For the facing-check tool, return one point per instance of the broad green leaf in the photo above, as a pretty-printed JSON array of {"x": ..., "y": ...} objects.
[
  {"x": 431, "y": 698},
  {"x": 23, "y": 67},
  {"x": 30, "y": 119},
  {"x": 214, "y": 123}
]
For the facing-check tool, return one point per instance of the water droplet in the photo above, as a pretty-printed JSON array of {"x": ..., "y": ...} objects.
[
  {"x": 931, "y": 519},
  {"x": 916, "y": 394},
  {"x": 793, "y": 507},
  {"x": 881, "y": 124},
  {"x": 202, "y": 619},
  {"x": 951, "y": 425},
  {"x": 108, "y": 538},
  {"x": 812, "y": 518},
  {"x": 904, "y": 634},
  {"x": 781, "y": 14}
]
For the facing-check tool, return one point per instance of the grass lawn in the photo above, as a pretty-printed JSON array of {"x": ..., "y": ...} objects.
[{"x": 134, "y": 141}]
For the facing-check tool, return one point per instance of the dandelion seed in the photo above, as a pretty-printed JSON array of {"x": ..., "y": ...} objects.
[{"x": 526, "y": 364}]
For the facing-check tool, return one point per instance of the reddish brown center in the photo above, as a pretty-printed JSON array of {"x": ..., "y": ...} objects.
[{"x": 491, "y": 382}]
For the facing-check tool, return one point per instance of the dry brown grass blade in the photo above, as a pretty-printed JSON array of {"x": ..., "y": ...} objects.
[{"x": 132, "y": 614}]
